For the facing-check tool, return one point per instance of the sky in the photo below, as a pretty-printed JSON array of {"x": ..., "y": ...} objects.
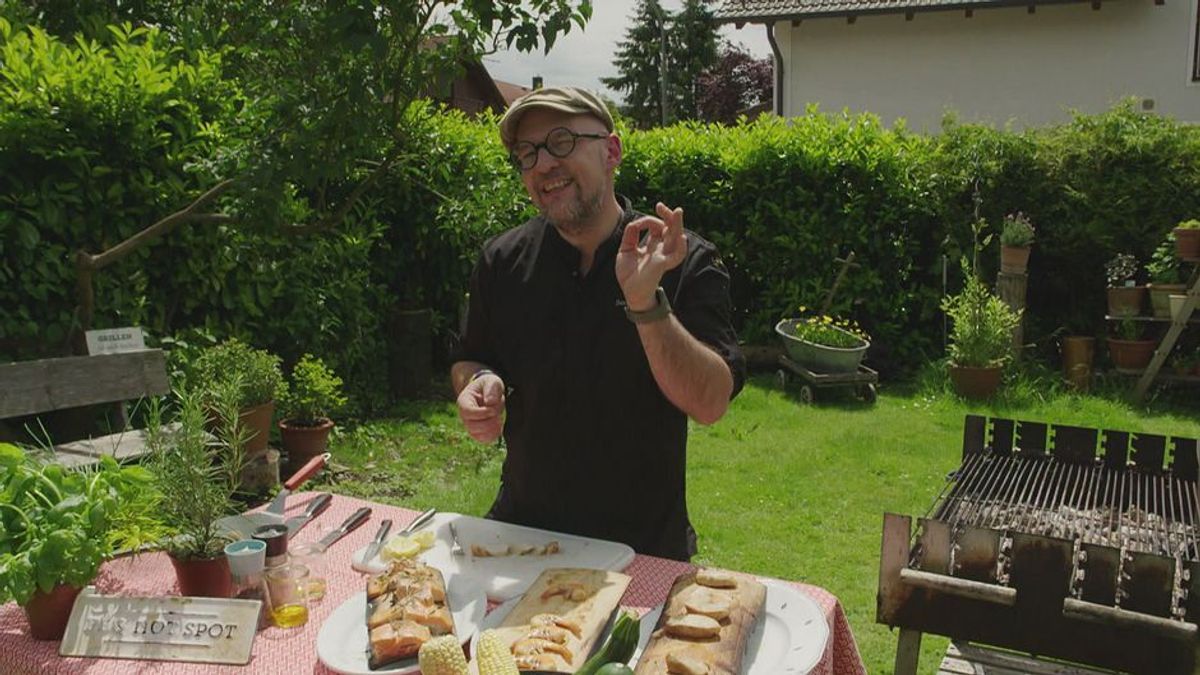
[{"x": 582, "y": 58}]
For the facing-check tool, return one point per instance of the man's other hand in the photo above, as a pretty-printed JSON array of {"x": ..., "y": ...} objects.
[{"x": 481, "y": 407}]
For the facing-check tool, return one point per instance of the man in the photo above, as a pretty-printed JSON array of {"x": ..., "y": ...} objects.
[{"x": 593, "y": 333}]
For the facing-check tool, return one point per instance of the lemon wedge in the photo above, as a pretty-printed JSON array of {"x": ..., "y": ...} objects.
[{"x": 402, "y": 546}]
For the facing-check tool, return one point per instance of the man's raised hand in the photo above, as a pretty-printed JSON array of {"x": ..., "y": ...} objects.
[{"x": 642, "y": 261}]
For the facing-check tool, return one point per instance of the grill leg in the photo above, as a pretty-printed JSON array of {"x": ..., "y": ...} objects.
[{"x": 908, "y": 651}]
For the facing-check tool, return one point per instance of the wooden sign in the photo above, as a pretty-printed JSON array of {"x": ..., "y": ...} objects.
[
  {"x": 115, "y": 340},
  {"x": 207, "y": 630}
]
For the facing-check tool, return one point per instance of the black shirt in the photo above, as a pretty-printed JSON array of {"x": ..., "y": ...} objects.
[{"x": 594, "y": 448}]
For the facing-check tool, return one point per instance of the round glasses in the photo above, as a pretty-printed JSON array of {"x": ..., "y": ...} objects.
[{"x": 560, "y": 142}]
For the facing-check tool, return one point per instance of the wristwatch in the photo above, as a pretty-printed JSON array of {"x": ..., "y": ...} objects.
[{"x": 659, "y": 311}]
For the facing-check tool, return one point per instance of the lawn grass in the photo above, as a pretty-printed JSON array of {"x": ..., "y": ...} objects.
[{"x": 775, "y": 488}]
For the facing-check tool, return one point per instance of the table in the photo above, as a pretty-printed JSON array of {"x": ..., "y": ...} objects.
[{"x": 278, "y": 650}]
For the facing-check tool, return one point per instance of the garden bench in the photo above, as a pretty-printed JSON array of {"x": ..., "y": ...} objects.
[{"x": 48, "y": 385}]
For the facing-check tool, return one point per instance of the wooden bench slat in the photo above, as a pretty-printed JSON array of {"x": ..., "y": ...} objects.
[
  {"x": 965, "y": 658},
  {"x": 31, "y": 387}
]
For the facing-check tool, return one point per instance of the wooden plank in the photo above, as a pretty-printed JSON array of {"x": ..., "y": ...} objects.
[
  {"x": 965, "y": 658},
  {"x": 30, "y": 387},
  {"x": 908, "y": 651}
]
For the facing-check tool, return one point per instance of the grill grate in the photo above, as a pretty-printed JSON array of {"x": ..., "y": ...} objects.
[{"x": 1123, "y": 508}]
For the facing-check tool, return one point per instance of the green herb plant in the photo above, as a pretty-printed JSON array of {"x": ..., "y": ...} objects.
[
  {"x": 58, "y": 525},
  {"x": 981, "y": 335},
  {"x": 1164, "y": 267},
  {"x": 1017, "y": 231},
  {"x": 257, "y": 372},
  {"x": 200, "y": 473},
  {"x": 314, "y": 395},
  {"x": 1190, "y": 224},
  {"x": 1128, "y": 329},
  {"x": 829, "y": 331}
]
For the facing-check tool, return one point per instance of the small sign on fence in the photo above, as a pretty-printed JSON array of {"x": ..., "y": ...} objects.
[
  {"x": 169, "y": 628},
  {"x": 115, "y": 340}
]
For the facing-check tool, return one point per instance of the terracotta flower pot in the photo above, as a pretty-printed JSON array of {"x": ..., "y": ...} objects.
[
  {"x": 1078, "y": 354},
  {"x": 1126, "y": 300},
  {"x": 303, "y": 443},
  {"x": 1187, "y": 243},
  {"x": 48, "y": 613},
  {"x": 1160, "y": 298},
  {"x": 257, "y": 421},
  {"x": 977, "y": 383},
  {"x": 1014, "y": 259},
  {"x": 205, "y": 578},
  {"x": 1131, "y": 356}
]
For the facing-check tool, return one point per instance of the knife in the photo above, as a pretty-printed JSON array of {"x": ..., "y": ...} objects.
[
  {"x": 357, "y": 518},
  {"x": 377, "y": 542},
  {"x": 315, "y": 508}
]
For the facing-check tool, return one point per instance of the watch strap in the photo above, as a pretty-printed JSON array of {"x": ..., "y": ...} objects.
[{"x": 661, "y": 309}]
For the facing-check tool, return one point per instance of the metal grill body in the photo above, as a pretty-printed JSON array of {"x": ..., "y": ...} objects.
[{"x": 1062, "y": 541}]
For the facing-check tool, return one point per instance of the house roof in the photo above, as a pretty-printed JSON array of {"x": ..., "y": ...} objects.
[
  {"x": 765, "y": 11},
  {"x": 510, "y": 91}
]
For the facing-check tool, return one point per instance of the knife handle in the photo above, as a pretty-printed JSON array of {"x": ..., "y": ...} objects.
[
  {"x": 384, "y": 528},
  {"x": 357, "y": 518},
  {"x": 418, "y": 522},
  {"x": 314, "y": 465},
  {"x": 318, "y": 505}
]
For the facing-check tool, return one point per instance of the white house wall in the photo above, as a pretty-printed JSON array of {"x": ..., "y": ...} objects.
[{"x": 999, "y": 66}]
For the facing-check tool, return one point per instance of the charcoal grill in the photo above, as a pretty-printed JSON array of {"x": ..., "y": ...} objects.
[{"x": 1062, "y": 541}]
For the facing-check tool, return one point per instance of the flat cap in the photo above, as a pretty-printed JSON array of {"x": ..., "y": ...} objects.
[{"x": 572, "y": 100}]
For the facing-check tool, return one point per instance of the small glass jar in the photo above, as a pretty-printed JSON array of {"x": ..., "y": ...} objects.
[
  {"x": 287, "y": 593},
  {"x": 312, "y": 556}
]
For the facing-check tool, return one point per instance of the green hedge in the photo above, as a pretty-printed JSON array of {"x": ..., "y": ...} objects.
[{"x": 98, "y": 141}]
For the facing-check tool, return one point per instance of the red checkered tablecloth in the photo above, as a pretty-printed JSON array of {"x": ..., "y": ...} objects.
[{"x": 294, "y": 651}]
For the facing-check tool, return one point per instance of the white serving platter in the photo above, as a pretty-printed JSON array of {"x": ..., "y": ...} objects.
[
  {"x": 342, "y": 640},
  {"x": 506, "y": 577},
  {"x": 790, "y": 639}
]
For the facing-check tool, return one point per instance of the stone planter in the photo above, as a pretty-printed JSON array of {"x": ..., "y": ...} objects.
[
  {"x": 1131, "y": 356},
  {"x": 1126, "y": 300},
  {"x": 48, "y": 613},
  {"x": 819, "y": 358},
  {"x": 1014, "y": 259},
  {"x": 976, "y": 383}
]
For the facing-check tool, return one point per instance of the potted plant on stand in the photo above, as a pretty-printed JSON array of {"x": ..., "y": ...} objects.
[
  {"x": 200, "y": 473},
  {"x": 1166, "y": 277},
  {"x": 1129, "y": 351},
  {"x": 261, "y": 382},
  {"x": 980, "y": 338},
  {"x": 314, "y": 395},
  {"x": 1187, "y": 239},
  {"x": 1016, "y": 238},
  {"x": 58, "y": 526},
  {"x": 1125, "y": 297}
]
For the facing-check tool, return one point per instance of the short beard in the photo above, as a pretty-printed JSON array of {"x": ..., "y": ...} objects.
[{"x": 576, "y": 219}]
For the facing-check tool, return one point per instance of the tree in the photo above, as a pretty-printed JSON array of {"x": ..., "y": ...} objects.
[
  {"x": 639, "y": 60},
  {"x": 738, "y": 81},
  {"x": 693, "y": 50},
  {"x": 328, "y": 83}
]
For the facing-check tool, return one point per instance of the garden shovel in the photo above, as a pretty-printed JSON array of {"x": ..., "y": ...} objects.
[{"x": 241, "y": 526}]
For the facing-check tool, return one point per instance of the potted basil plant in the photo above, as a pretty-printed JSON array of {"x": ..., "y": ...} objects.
[
  {"x": 58, "y": 525},
  {"x": 315, "y": 393}
]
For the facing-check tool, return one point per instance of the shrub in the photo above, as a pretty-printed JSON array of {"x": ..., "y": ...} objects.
[
  {"x": 981, "y": 335},
  {"x": 256, "y": 373},
  {"x": 314, "y": 395}
]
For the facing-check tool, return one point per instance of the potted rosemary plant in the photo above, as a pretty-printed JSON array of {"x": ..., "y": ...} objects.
[
  {"x": 200, "y": 472},
  {"x": 315, "y": 393},
  {"x": 57, "y": 527}
]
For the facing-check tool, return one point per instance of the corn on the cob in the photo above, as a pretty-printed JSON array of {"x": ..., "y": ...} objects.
[
  {"x": 494, "y": 657},
  {"x": 442, "y": 656}
]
